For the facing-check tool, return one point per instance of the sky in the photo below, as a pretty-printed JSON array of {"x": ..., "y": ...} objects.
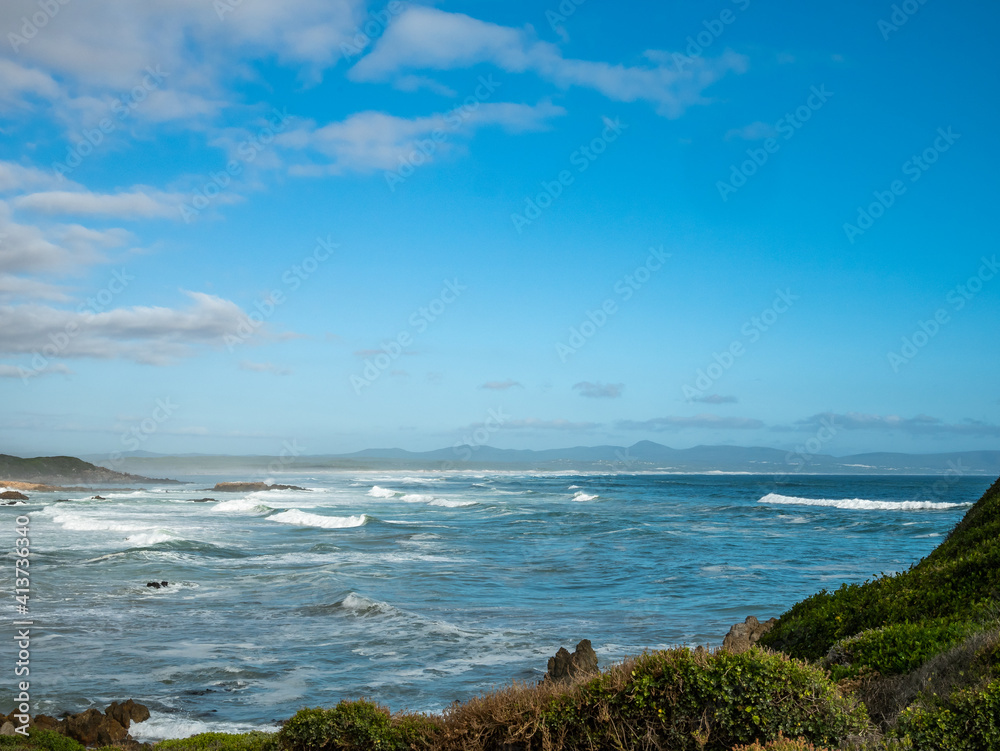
[{"x": 239, "y": 226}]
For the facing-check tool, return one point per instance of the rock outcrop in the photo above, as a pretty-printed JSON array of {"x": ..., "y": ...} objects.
[
  {"x": 250, "y": 487},
  {"x": 744, "y": 635},
  {"x": 64, "y": 470},
  {"x": 92, "y": 727},
  {"x": 565, "y": 667},
  {"x": 13, "y": 495}
]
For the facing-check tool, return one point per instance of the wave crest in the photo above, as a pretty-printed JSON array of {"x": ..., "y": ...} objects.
[
  {"x": 858, "y": 504},
  {"x": 302, "y": 519}
]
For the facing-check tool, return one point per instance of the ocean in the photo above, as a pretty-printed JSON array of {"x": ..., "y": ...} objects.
[{"x": 417, "y": 589}]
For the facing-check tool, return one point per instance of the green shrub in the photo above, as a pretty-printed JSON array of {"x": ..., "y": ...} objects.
[
  {"x": 254, "y": 741},
  {"x": 46, "y": 740},
  {"x": 354, "y": 726},
  {"x": 683, "y": 699},
  {"x": 967, "y": 720},
  {"x": 895, "y": 649}
]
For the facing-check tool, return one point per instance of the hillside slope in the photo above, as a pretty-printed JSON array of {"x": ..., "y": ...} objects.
[{"x": 64, "y": 470}]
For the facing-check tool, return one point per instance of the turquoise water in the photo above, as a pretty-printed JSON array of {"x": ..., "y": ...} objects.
[{"x": 417, "y": 589}]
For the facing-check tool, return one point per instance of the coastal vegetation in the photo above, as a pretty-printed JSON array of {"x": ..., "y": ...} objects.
[{"x": 909, "y": 660}]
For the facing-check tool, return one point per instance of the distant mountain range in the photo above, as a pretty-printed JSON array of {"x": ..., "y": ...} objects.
[{"x": 642, "y": 456}]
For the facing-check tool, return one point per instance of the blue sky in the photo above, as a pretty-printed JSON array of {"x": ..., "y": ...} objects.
[{"x": 228, "y": 225}]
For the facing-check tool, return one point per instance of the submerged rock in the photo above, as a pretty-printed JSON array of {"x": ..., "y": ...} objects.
[
  {"x": 744, "y": 635},
  {"x": 564, "y": 667}
]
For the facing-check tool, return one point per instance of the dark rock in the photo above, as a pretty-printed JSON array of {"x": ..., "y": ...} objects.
[
  {"x": 744, "y": 635},
  {"x": 154, "y": 585},
  {"x": 203, "y": 500},
  {"x": 44, "y": 722},
  {"x": 98, "y": 498},
  {"x": 164, "y": 584},
  {"x": 86, "y": 727},
  {"x": 565, "y": 667},
  {"x": 250, "y": 487},
  {"x": 127, "y": 712},
  {"x": 13, "y": 495}
]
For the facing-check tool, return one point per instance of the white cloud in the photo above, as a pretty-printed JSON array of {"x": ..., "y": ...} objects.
[
  {"x": 137, "y": 204},
  {"x": 428, "y": 38},
  {"x": 501, "y": 385},
  {"x": 755, "y": 131},
  {"x": 715, "y": 399},
  {"x": 18, "y": 288},
  {"x": 187, "y": 37},
  {"x": 16, "y": 81},
  {"x": 58, "y": 249},
  {"x": 371, "y": 140},
  {"x": 152, "y": 335},
  {"x": 17, "y": 177},
  {"x": 599, "y": 390}
]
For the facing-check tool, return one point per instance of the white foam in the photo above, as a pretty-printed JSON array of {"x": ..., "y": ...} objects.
[
  {"x": 362, "y": 605},
  {"x": 377, "y": 492},
  {"x": 163, "y": 726},
  {"x": 581, "y": 496},
  {"x": 573, "y": 487},
  {"x": 451, "y": 504},
  {"x": 238, "y": 505},
  {"x": 417, "y": 498},
  {"x": 858, "y": 504},
  {"x": 145, "y": 539},
  {"x": 302, "y": 519},
  {"x": 78, "y": 523}
]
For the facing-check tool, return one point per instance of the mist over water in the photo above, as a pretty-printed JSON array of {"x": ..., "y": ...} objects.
[{"x": 417, "y": 589}]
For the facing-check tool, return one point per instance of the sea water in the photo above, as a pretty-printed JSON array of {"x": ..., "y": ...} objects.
[{"x": 418, "y": 589}]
